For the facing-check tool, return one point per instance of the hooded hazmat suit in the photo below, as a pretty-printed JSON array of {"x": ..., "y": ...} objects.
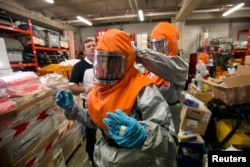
[
  {"x": 171, "y": 78},
  {"x": 137, "y": 97},
  {"x": 201, "y": 69}
]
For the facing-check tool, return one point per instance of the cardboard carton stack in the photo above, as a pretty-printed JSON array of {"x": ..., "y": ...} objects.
[
  {"x": 28, "y": 130},
  {"x": 69, "y": 133},
  {"x": 195, "y": 119},
  {"x": 194, "y": 122},
  {"x": 33, "y": 129},
  {"x": 205, "y": 97},
  {"x": 247, "y": 60},
  {"x": 233, "y": 90}
]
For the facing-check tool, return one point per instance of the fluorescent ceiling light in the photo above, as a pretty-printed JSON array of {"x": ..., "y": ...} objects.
[
  {"x": 231, "y": 10},
  {"x": 84, "y": 20},
  {"x": 50, "y": 1},
  {"x": 140, "y": 13}
]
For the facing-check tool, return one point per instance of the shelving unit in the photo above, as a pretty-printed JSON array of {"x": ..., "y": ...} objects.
[
  {"x": 50, "y": 49},
  {"x": 34, "y": 48},
  {"x": 237, "y": 53},
  {"x": 30, "y": 34}
]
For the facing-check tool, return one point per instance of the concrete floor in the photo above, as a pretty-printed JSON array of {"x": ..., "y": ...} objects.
[{"x": 79, "y": 158}]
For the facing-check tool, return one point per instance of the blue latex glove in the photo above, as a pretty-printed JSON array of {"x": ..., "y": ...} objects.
[
  {"x": 64, "y": 99},
  {"x": 125, "y": 130},
  {"x": 135, "y": 48}
]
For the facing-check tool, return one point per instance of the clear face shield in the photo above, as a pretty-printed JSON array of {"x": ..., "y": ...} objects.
[
  {"x": 109, "y": 67},
  {"x": 159, "y": 45}
]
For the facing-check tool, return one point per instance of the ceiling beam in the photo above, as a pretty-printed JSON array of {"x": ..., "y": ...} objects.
[
  {"x": 218, "y": 15},
  {"x": 36, "y": 17},
  {"x": 187, "y": 8},
  {"x": 29, "y": 4}
]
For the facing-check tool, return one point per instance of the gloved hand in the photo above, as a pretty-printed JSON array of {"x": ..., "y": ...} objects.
[
  {"x": 125, "y": 130},
  {"x": 135, "y": 48},
  {"x": 64, "y": 99}
]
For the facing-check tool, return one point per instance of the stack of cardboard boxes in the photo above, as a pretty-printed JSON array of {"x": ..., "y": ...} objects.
[
  {"x": 234, "y": 91},
  {"x": 194, "y": 122},
  {"x": 34, "y": 132}
]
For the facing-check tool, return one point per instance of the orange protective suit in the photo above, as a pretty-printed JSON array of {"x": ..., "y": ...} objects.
[
  {"x": 169, "y": 33},
  {"x": 108, "y": 98},
  {"x": 201, "y": 69}
]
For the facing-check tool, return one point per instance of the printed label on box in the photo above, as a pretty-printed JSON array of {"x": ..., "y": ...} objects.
[
  {"x": 206, "y": 117},
  {"x": 192, "y": 123}
]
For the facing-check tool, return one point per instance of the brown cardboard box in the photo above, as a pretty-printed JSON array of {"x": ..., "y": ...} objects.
[
  {"x": 195, "y": 119},
  {"x": 235, "y": 89},
  {"x": 27, "y": 135},
  {"x": 242, "y": 70},
  {"x": 53, "y": 159},
  {"x": 27, "y": 107},
  {"x": 33, "y": 152},
  {"x": 43, "y": 149},
  {"x": 66, "y": 127},
  {"x": 205, "y": 97},
  {"x": 247, "y": 60},
  {"x": 70, "y": 142}
]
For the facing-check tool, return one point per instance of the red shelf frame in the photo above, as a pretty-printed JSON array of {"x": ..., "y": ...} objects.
[
  {"x": 15, "y": 29},
  {"x": 50, "y": 49},
  {"x": 33, "y": 46},
  {"x": 30, "y": 34},
  {"x": 22, "y": 64}
]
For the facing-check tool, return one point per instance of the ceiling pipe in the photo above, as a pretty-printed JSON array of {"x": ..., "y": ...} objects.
[
  {"x": 126, "y": 16},
  {"x": 153, "y": 14},
  {"x": 136, "y": 4},
  {"x": 131, "y": 6}
]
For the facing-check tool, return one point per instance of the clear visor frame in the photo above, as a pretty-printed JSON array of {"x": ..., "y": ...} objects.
[
  {"x": 109, "y": 67},
  {"x": 159, "y": 45}
]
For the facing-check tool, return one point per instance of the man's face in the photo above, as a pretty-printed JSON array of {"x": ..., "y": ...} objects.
[{"x": 89, "y": 50}]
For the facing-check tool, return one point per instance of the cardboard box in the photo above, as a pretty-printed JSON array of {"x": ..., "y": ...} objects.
[
  {"x": 70, "y": 142},
  {"x": 195, "y": 119},
  {"x": 44, "y": 149},
  {"x": 54, "y": 159},
  {"x": 27, "y": 107},
  {"x": 18, "y": 140},
  {"x": 235, "y": 89},
  {"x": 205, "y": 97},
  {"x": 65, "y": 128},
  {"x": 247, "y": 60}
]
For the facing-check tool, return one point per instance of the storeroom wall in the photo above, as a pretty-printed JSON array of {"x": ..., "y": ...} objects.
[{"x": 191, "y": 31}]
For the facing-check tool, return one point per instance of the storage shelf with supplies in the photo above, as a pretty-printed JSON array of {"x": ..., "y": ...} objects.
[
  {"x": 14, "y": 31},
  {"x": 16, "y": 57}
]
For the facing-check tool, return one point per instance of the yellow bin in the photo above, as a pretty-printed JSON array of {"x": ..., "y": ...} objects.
[{"x": 240, "y": 139}]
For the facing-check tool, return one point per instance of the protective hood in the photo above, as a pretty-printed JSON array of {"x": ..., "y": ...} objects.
[
  {"x": 168, "y": 32},
  {"x": 203, "y": 57},
  {"x": 122, "y": 95}
]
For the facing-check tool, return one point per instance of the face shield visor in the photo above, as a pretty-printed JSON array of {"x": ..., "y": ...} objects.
[
  {"x": 109, "y": 67},
  {"x": 159, "y": 45}
]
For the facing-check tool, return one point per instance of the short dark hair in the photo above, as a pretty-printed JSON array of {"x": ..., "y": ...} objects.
[{"x": 87, "y": 41}]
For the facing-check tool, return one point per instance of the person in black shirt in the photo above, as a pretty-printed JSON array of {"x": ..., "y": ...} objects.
[{"x": 77, "y": 87}]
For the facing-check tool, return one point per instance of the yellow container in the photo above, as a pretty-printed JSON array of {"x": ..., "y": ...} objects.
[
  {"x": 240, "y": 139},
  {"x": 205, "y": 87}
]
